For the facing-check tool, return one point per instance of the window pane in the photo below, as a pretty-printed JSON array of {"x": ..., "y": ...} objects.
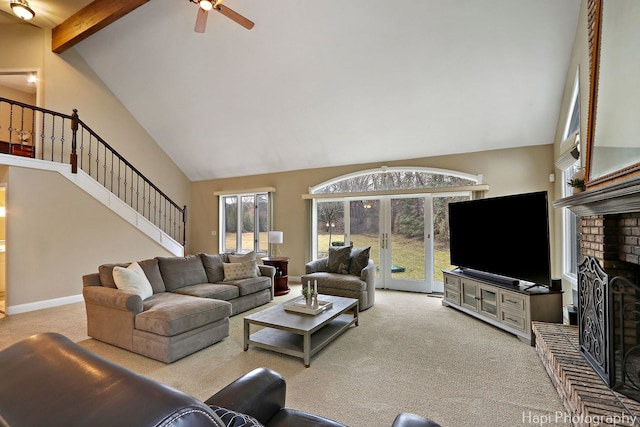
[
  {"x": 263, "y": 223},
  {"x": 571, "y": 239},
  {"x": 330, "y": 226},
  {"x": 248, "y": 222},
  {"x": 364, "y": 226},
  {"x": 230, "y": 223},
  {"x": 407, "y": 238},
  {"x": 441, "y": 256},
  {"x": 393, "y": 181}
]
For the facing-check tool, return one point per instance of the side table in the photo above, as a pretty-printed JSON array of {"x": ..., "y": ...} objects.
[{"x": 281, "y": 281}]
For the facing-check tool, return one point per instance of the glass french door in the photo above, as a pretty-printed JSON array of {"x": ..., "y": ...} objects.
[
  {"x": 408, "y": 236},
  {"x": 405, "y": 244},
  {"x": 398, "y": 231}
]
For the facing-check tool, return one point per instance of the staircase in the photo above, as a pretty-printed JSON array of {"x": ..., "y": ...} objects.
[{"x": 35, "y": 137}]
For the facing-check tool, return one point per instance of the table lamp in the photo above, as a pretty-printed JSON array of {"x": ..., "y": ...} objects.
[{"x": 275, "y": 238}]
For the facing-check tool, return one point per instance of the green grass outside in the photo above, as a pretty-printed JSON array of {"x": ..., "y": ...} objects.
[{"x": 408, "y": 253}]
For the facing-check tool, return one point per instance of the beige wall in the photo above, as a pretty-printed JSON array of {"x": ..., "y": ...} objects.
[
  {"x": 579, "y": 63},
  {"x": 68, "y": 83},
  {"x": 508, "y": 171},
  {"x": 56, "y": 233}
]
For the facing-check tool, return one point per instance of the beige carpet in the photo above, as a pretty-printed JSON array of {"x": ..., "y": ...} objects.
[{"x": 409, "y": 354}]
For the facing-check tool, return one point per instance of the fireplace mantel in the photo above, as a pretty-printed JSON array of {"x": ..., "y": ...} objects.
[{"x": 622, "y": 197}]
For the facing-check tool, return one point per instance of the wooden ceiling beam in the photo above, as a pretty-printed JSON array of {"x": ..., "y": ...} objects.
[{"x": 89, "y": 20}]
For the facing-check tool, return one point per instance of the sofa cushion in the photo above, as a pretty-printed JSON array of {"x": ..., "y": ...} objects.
[
  {"x": 338, "y": 281},
  {"x": 152, "y": 271},
  {"x": 358, "y": 260},
  {"x": 239, "y": 270},
  {"x": 221, "y": 291},
  {"x": 170, "y": 314},
  {"x": 249, "y": 256},
  {"x": 251, "y": 286},
  {"x": 339, "y": 257},
  {"x": 106, "y": 274},
  {"x": 132, "y": 279},
  {"x": 213, "y": 267},
  {"x": 178, "y": 272}
]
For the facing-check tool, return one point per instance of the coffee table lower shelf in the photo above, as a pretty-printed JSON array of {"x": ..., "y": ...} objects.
[{"x": 293, "y": 343}]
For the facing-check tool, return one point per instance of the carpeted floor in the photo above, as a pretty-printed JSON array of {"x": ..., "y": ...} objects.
[{"x": 409, "y": 354}]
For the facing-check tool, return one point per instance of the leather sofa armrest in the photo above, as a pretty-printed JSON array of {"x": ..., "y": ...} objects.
[
  {"x": 112, "y": 298},
  {"x": 316, "y": 265},
  {"x": 260, "y": 393},
  {"x": 412, "y": 420}
]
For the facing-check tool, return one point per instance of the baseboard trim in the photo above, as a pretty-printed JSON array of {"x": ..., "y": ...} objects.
[{"x": 39, "y": 305}]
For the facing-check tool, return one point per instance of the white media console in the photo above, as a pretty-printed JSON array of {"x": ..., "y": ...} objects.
[{"x": 509, "y": 307}]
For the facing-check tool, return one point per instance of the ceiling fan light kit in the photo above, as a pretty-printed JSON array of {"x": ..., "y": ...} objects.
[
  {"x": 22, "y": 10},
  {"x": 206, "y": 5}
]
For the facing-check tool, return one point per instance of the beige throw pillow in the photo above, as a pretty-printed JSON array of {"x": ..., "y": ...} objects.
[
  {"x": 239, "y": 270},
  {"x": 133, "y": 279},
  {"x": 249, "y": 256}
]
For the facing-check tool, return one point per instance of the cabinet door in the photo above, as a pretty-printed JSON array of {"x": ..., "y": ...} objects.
[
  {"x": 488, "y": 301},
  {"x": 452, "y": 289},
  {"x": 470, "y": 296}
]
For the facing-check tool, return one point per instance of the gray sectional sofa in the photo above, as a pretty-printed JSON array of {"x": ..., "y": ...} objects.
[{"x": 188, "y": 309}]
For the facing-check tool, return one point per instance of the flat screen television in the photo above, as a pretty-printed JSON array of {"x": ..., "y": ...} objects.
[{"x": 504, "y": 236}]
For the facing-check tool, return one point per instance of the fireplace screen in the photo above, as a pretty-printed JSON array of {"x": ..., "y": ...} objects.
[
  {"x": 593, "y": 315},
  {"x": 625, "y": 336},
  {"x": 609, "y": 326}
]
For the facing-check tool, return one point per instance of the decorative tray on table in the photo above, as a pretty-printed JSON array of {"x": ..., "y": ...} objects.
[{"x": 300, "y": 306}]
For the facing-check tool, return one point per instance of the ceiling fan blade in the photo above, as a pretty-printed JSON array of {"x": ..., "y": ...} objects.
[
  {"x": 234, "y": 16},
  {"x": 201, "y": 21}
]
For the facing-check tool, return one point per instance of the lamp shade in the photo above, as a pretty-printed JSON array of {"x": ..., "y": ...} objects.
[{"x": 276, "y": 237}]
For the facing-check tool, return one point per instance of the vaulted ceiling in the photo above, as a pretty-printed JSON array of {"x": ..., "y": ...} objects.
[{"x": 328, "y": 83}]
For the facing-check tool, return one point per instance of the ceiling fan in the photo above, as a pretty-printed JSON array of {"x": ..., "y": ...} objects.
[{"x": 207, "y": 5}]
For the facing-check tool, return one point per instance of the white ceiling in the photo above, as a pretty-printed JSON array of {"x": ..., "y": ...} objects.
[{"x": 328, "y": 83}]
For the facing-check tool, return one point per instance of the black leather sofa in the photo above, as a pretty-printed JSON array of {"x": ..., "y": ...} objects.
[{"x": 47, "y": 380}]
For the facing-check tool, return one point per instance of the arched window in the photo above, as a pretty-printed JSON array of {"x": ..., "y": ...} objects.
[{"x": 395, "y": 178}]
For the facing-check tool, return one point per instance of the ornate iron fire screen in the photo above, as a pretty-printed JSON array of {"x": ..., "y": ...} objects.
[
  {"x": 593, "y": 311},
  {"x": 625, "y": 334}
]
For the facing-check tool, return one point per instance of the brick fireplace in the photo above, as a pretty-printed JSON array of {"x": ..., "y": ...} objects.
[{"x": 609, "y": 282}]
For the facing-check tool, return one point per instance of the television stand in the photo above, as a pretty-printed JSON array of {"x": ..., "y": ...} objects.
[{"x": 506, "y": 306}]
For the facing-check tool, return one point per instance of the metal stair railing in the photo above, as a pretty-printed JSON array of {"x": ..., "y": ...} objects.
[{"x": 31, "y": 131}]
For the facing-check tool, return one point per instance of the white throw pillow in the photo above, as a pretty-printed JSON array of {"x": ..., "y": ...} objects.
[
  {"x": 133, "y": 279},
  {"x": 239, "y": 270},
  {"x": 249, "y": 256}
]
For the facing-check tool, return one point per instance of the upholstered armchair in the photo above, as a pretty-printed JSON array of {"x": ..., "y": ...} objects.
[{"x": 347, "y": 272}]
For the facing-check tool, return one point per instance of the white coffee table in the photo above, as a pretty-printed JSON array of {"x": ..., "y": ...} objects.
[{"x": 300, "y": 335}]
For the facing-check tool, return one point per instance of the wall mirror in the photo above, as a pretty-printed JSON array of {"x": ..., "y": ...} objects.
[{"x": 613, "y": 137}]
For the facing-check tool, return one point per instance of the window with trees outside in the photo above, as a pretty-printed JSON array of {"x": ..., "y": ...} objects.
[
  {"x": 569, "y": 163},
  {"x": 244, "y": 220},
  {"x": 407, "y": 207}
]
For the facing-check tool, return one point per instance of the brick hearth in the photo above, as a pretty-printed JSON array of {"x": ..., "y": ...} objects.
[{"x": 586, "y": 397}]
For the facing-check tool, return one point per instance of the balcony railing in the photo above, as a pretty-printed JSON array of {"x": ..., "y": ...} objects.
[{"x": 31, "y": 131}]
